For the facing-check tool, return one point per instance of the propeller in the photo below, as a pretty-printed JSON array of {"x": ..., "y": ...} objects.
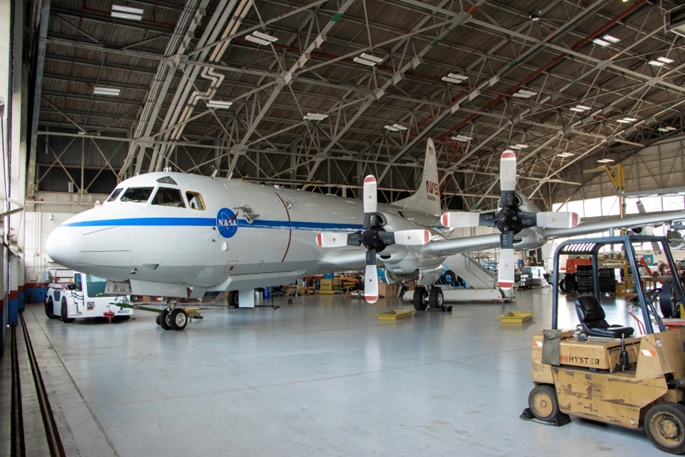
[
  {"x": 509, "y": 219},
  {"x": 374, "y": 238}
]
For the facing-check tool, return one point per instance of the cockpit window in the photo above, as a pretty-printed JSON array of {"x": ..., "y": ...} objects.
[
  {"x": 137, "y": 194},
  {"x": 195, "y": 200},
  {"x": 166, "y": 196},
  {"x": 114, "y": 195},
  {"x": 167, "y": 180}
]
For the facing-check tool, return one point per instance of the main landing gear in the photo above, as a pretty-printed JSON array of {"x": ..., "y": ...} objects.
[
  {"x": 429, "y": 297},
  {"x": 172, "y": 318}
]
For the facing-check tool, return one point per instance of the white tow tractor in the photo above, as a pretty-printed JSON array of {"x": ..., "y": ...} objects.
[{"x": 84, "y": 298}]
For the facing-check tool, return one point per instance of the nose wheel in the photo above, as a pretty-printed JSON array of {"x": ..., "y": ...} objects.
[{"x": 172, "y": 318}]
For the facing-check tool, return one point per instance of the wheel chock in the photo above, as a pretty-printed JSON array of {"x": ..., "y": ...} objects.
[{"x": 557, "y": 421}]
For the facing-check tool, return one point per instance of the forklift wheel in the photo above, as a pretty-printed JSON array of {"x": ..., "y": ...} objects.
[
  {"x": 665, "y": 427},
  {"x": 543, "y": 402}
]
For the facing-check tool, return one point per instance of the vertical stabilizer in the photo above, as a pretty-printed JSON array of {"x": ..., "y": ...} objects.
[{"x": 427, "y": 197}]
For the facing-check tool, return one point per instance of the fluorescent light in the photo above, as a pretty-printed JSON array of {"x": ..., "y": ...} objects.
[
  {"x": 606, "y": 160},
  {"x": 127, "y": 9},
  {"x": 576, "y": 109},
  {"x": 565, "y": 154},
  {"x": 462, "y": 138},
  {"x": 126, "y": 12},
  {"x": 524, "y": 93},
  {"x": 399, "y": 126},
  {"x": 671, "y": 128},
  {"x": 264, "y": 36},
  {"x": 663, "y": 130},
  {"x": 254, "y": 39},
  {"x": 315, "y": 117},
  {"x": 656, "y": 63},
  {"x": 611, "y": 39},
  {"x": 665, "y": 60},
  {"x": 391, "y": 128},
  {"x": 522, "y": 145},
  {"x": 623, "y": 121},
  {"x": 583, "y": 107},
  {"x": 219, "y": 104},
  {"x": 457, "y": 76},
  {"x": 600, "y": 42},
  {"x": 112, "y": 91},
  {"x": 630, "y": 119},
  {"x": 368, "y": 63},
  {"x": 447, "y": 79},
  {"x": 514, "y": 147},
  {"x": 81, "y": 133},
  {"x": 371, "y": 58}
]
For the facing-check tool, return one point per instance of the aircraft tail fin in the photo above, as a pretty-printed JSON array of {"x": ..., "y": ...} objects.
[{"x": 427, "y": 198}]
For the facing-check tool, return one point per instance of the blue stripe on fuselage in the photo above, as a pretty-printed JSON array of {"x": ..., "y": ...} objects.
[{"x": 211, "y": 222}]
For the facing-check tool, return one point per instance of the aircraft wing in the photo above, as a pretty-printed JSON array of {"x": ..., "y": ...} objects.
[
  {"x": 627, "y": 222},
  {"x": 458, "y": 245}
]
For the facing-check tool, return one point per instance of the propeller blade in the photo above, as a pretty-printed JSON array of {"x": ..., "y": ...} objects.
[
  {"x": 412, "y": 237},
  {"x": 464, "y": 220},
  {"x": 370, "y": 194},
  {"x": 507, "y": 171},
  {"x": 337, "y": 239},
  {"x": 505, "y": 272},
  {"x": 557, "y": 219},
  {"x": 371, "y": 277}
]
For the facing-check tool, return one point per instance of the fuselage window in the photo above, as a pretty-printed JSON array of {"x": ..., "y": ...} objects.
[
  {"x": 137, "y": 194},
  {"x": 114, "y": 195},
  {"x": 166, "y": 196},
  {"x": 195, "y": 201}
]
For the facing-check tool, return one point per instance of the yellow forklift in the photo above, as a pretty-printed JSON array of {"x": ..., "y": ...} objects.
[{"x": 606, "y": 372}]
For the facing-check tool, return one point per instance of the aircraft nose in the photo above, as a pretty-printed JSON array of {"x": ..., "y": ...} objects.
[{"x": 61, "y": 247}]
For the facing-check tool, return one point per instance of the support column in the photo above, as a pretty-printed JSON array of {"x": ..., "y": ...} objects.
[{"x": 14, "y": 292}]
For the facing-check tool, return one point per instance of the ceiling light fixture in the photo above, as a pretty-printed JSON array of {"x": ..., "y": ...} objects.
[
  {"x": 367, "y": 59},
  {"x": 662, "y": 129},
  {"x": 623, "y": 121},
  {"x": 535, "y": 16},
  {"x": 671, "y": 128},
  {"x": 264, "y": 36},
  {"x": 606, "y": 160},
  {"x": 462, "y": 138},
  {"x": 584, "y": 107},
  {"x": 525, "y": 93},
  {"x": 126, "y": 12},
  {"x": 391, "y": 128},
  {"x": 630, "y": 119},
  {"x": 368, "y": 63},
  {"x": 522, "y": 145},
  {"x": 576, "y": 109},
  {"x": 656, "y": 63},
  {"x": 399, "y": 126},
  {"x": 315, "y": 117},
  {"x": 601, "y": 42},
  {"x": 254, "y": 39},
  {"x": 611, "y": 39},
  {"x": 454, "y": 78},
  {"x": 111, "y": 91},
  {"x": 219, "y": 104},
  {"x": 665, "y": 60}
]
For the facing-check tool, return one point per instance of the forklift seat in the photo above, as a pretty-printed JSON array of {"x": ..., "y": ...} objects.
[{"x": 592, "y": 319}]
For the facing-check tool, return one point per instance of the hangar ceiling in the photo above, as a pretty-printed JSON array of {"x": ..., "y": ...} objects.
[{"x": 125, "y": 96}]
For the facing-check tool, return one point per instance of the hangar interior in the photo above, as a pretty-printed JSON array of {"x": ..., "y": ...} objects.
[{"x": 314, "y": 96}]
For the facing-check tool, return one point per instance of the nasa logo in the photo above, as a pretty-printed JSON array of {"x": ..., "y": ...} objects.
[
  {"x": 227, "y": 222},
  {"x": 432, "y": 188}
]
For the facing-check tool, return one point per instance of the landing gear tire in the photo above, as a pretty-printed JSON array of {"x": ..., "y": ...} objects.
[
  {"x": 163, "y": 320},
  {"x": 543, "y": 403},
  {"x": 420, "y": 299},
  {"x": 65, "y": 312},
  {"x": 177, "y": 319},
  {"x": 665, "y": 427},
  {"x": 436, "y": 299},
  {"x": 49, "y": 307},
  {"x": 233, "y": 298}
]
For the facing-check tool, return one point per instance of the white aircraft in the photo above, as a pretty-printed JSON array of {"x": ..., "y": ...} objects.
[{"x": 179, "y": 235}]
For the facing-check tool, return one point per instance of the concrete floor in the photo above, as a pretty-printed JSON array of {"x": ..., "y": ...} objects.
[{"x": 322, "y": 376}]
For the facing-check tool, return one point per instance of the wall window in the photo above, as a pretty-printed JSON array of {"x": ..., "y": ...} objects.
[{"x": 167, "y": 196}]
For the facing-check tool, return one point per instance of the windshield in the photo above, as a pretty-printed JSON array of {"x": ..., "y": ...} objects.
[
  {"x": 137, "y": 194},
  {"x": 167, "y": 196},
  {"x": 114, "y": 195},
  {"x": 96, "y": 287}
]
